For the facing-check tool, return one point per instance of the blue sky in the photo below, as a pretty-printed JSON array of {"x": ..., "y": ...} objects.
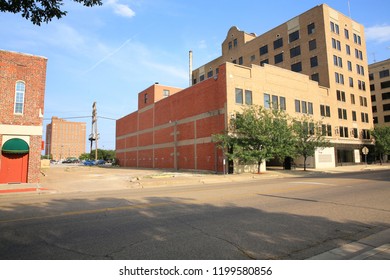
[{"x": 110, "y": 53}]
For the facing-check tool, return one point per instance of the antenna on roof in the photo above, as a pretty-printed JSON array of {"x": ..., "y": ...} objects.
[{"x": 349, "y": 9}]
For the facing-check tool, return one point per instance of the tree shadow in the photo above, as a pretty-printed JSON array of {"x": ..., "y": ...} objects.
[{"x": 157, "y": 228}]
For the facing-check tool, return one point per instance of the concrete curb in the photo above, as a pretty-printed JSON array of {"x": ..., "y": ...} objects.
[{"x": 373, "y": 247}]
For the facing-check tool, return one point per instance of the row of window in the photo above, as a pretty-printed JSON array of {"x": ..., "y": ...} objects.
[
  {"x": 336, "y": 44},
  {"x": 303, "y": 107},
  {"x": 342, "y": 97},
  {"x": 386, "y": 119},
  {"x": 334, "y": 27},
  {"x": 385, "y": 96},
  {"x": 241, "y": 98},
  {"x": 382, "y": 74},
  {"x": 344, "y": 132},
  {"x": 383, "y": 85},
  {"x": 274, "y": 102}
]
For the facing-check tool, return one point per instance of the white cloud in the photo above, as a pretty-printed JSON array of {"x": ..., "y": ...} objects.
[
  {"x": 121, "y": 9},
  {"x": 378, "y": 33}
]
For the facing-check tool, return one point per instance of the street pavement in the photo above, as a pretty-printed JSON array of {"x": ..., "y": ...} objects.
[{"x": 373, "y": 247}]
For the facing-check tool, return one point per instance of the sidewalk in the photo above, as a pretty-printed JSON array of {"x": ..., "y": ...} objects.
[{"x": 373, "y": 247}]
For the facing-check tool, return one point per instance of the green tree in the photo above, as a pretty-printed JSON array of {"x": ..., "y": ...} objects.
[
  {"x": 39, "y": 11},
  {"x": 381, "y": 136},
  {"x": 255, "y": 135},
  {"x": 308, "y": 137}
]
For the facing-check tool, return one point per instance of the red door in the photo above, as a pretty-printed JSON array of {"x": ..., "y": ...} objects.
[{"x": 13, "y": 168}]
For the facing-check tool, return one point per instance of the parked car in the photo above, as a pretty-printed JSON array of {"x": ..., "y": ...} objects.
[
  {"x": 89, "y": 162},
  {"x": 101, "y": 162}
]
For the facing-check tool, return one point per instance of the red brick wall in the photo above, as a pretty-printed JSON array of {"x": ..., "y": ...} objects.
[
  {"x": 195, "y": 112},
  {"x": 32, "y": 71}
]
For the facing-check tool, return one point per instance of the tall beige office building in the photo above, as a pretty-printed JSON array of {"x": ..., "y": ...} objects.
[
  {"x": 329, "y": 48},
  {"x": 65, "y": 139},
  {"x": 380, "y": 91}
]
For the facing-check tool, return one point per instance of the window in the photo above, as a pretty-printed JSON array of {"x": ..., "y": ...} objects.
[
  {"x": 348, "y": 49},
  {"x": 297, "y": 106},
  {"x": 337, "y": 61},
  {"x": 354, "y": 116},
  {"x": 385, "y": 84},
  {"x": 210, "y": 74},
  {"x": 275, "y": 102},
  {"x": 372, "y": 87},
  {"x": 385, "y": 95},
  {"x": 311, "y": 28},
  {"x": 339, "y": 78},
  {"x": 352, "y": 98},
  {"x": 278, "y": 58},
  {"x": 315, "y": 77},
  {"x": 165, "y": 92},
  {"x": 239, "y": 97},
  {"x": 265, "y": 61},
  {"x": 346, "y": 33},
  {"x": 373, "y": 98},
  {"x": 350, "y": 81},
  {"x": 201, "y": 78},
  {"x": 310, "y": 108},
  {"x": 312, "y": 44},
  {"x": 235, "y": 42},
  {"x": 325, "y": 111},
  {"x": 358, "y": 54},
  {"x": 240, "y": 60},
  {"x": 357, "y": 39},
  {"x": 295, "y": 51},
  {"x": 365, "y": 134},
  {"x": 386, "y": 118},
  {"x": 146, "y": 96},
  {"x": 384, "y": 73},
  {"x": 304, "y": 107},
  {"x": 282, "y": 103},
  {"x": 263, "y": 50},
  {"x": 375, "y": 119},
  {"x": 334, "y": 27},
  {"x": 386, "y": 107},
  {"x": 360, "y": 69},
  {"x": 355, "y": 133},
  {"x": 267, "y": 100},
  {"x": 253, "y": 57},
  {"x": 230, "y": 45},
  {"x": 361, "y": 85},
  {"x": 293, "y": 36},
  {"x": 20, "y": 90},
  {"x": 374, "y": 109},
  {"x": 313, "y": 61},
  {"x": 336, "y": 44},
  {"x": 342, "y": 113},
  {"x": 326, "y": 130},
  {"x": 363, "y": 101},
  {"x": 340, "y": 95},
  {"x": 248, "y": 97},
  {"x": 296, "y": 67},
  {"x": 371, "y": 76},
  {"x": 349, "y": 65},
  {"x": 278, "y": 43}
]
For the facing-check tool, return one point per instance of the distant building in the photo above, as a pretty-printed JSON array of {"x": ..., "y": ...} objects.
[
  {"x": 65, "y": 139},
  {"x": 380, "y": 91},
  {"x": 22, "y": 92}
]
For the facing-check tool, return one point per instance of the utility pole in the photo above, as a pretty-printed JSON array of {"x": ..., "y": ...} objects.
[{"x": 94, "y": 136}]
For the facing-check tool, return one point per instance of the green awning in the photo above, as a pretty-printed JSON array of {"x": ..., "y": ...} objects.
[{"x": 15, "y": 146}]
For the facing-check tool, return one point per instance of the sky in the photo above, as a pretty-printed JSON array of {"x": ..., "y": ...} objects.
[{"x": 108, "y": 54}]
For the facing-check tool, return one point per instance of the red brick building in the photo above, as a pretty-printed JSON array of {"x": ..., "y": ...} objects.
[
  {"x": 22, "y": 91},
  {"x": 172, "y": 127}
]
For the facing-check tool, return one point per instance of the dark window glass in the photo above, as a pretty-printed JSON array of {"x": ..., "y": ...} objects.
[
  {"x": 372, "y": 87},
  {"x": 375, "y": 119},
  {"x": 265, "y": 61},
  {"x": 296, "y": 67},
  {"x": 373, "y": 98},
  {"x": 282, "y": 103},
  {"x": 263, "y": 50},
  {"x": 387, "y": 118},
  {"x": 371, "y": 76},
  {"x": 295, "y": 51},
  {"x": 293, "y": 36},
  {"x": 201, "y": 78},
  {"x": 385, "y": 84},
  {"x": 312, "y": 44},
  {"x": 384, "y": 73},
  {"x": 297, "y": 106},
  {"x": 278, "y": 43},
  {"x": 385, "y": 95},
  {"x": 311, "y": 28},
  {"x": 313, "y": 61},
  {"x": 354, "y": 116},
  {"x": 240, "y": 60},
  {"x": 210, "y": 74},
  {"x": 315, "y": 77},
  {"x": 278, "y": 58},
  {"x": 346, "y": 33},
  {"x": 386, "y": 107}
]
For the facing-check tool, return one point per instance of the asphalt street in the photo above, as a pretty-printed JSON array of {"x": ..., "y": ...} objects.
[{"x": 272, "y": 218}]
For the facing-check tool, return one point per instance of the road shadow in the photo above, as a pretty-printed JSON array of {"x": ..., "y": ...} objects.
[{"x": 157, "y": 228}]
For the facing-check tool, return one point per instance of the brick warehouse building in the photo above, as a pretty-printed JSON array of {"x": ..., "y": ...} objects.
[{"x": 22, "y": 90}]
